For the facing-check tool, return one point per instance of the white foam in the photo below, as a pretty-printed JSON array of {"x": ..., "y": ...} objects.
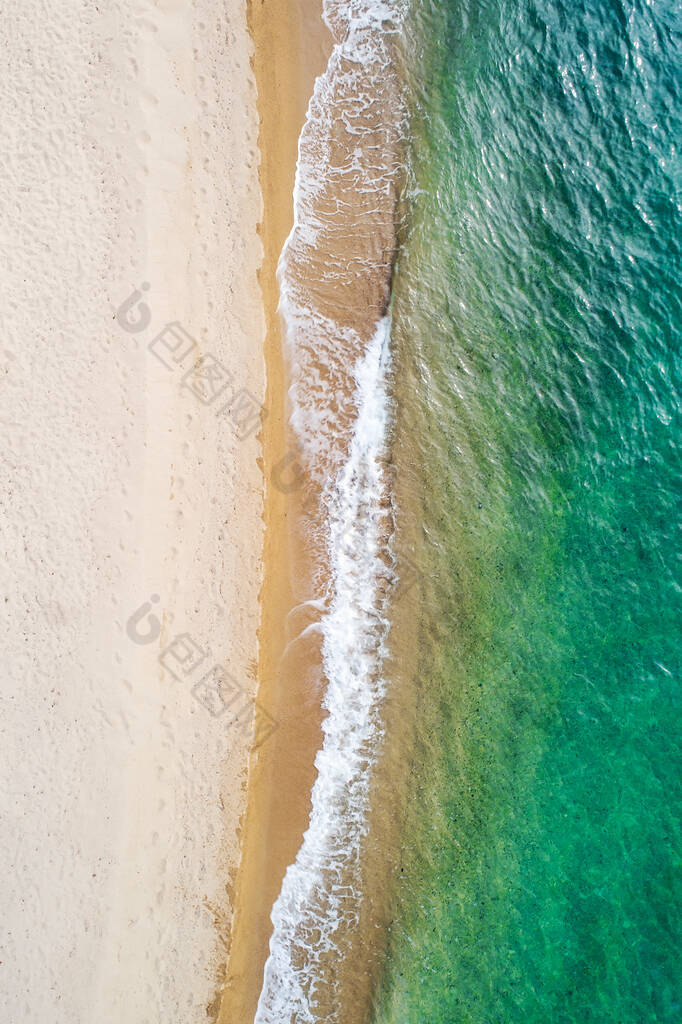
[
  {"x": 320, "y": 892},
  {"x": 321, "y": 352},
  {"x": 340, "y": 411}
]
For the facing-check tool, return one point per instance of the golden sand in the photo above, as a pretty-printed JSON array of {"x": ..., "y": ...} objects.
[{"x": 292, "y": 46}]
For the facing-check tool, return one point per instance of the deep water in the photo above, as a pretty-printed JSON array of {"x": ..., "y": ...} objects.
[{"x": 537, "y": 324}]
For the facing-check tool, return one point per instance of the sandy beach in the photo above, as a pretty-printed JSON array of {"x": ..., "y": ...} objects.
[
  {"x": 291, "y": 47},
  {"x": 132, "y": 490},
  {"x": 339, "y": 471}
]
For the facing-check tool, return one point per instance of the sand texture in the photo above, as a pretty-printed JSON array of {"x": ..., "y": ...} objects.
[
  {"x": 291, "y": 48},
  {"x": 130, "y": 156}
]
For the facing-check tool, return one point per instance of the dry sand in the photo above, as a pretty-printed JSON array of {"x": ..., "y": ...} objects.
[{"x": 130, "y": 156}]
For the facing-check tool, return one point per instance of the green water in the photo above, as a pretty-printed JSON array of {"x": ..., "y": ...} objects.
[{"x": 537, "y": 325}]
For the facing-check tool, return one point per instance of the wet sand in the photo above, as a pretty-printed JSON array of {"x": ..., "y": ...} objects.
[
  {"x": 344, "y": 275},
  {"x": 292, "y": 46}
]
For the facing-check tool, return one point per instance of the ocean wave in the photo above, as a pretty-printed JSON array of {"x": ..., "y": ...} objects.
[
  {"x": 335, "y": 269},
  {"x": 335, "y": 277},
  {"x": 318, "y": 902}
]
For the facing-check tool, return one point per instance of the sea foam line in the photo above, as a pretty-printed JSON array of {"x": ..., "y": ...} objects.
[
  {"x": 320, "y": 893},
  {"x": 339, "y": 365}
]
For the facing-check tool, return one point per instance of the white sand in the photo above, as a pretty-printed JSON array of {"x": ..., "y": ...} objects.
[{"x": 130, "y": 155}]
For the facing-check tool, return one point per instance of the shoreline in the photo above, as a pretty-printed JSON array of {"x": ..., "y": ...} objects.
[
  {"x": 291, "y": 48},
  {"x": 291, "y": 676}
]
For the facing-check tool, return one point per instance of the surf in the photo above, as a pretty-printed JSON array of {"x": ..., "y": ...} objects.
[{"x": 335, "y": 275}]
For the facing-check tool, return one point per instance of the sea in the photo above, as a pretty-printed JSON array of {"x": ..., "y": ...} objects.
[{"x": 482, "y": 316}]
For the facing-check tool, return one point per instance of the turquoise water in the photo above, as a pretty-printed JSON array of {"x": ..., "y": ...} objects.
[{"x": 537, "y": 332}]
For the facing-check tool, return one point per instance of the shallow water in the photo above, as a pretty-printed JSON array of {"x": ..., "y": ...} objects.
[
  {"x": 526, "y": 244},
  {"x": 537, "y": 326},
  {"x": 335, "y": 284}
]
